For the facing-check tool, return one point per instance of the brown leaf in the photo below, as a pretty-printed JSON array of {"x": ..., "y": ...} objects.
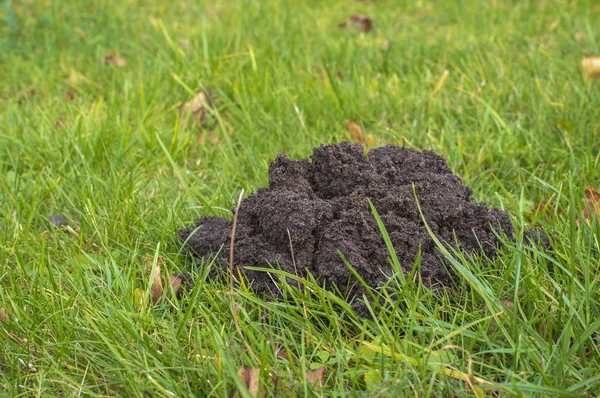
[
  {"x": 250, "y": 377},
  {"x": 315, "y": 377},
  {"x": 3, "y": 316},
  {"x": 280, "y": 353},
  {"x": 157, "y": 287},
  {"x": 507, "y": 303},
  {"x": 591, "y": 203},
  {"x": 197, "y": 106},
  {"x": 115, "y": 59},
  {"x": 591, "y": 66},
  {"x": 176, "y": 283},
  {"x": 360, "y": 22},
  {"x": 70, "y": 95},
  {"x": 60, "y": 123},
  {"x": 355, "y": 131}
]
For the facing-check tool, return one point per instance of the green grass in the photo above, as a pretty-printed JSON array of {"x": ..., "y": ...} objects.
[{"x": 516, "y": 119}]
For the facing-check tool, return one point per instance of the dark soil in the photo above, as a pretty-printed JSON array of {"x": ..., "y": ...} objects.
[{"x": 323, "y": 204}]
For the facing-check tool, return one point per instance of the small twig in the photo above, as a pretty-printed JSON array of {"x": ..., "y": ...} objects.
[{"x": 233, "y": 306}]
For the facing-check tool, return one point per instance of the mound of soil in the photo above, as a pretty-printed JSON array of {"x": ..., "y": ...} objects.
[{"x": 322, "y": 207}]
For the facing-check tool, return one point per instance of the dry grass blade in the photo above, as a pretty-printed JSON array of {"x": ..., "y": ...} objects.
[
  {"x": 157, "y": 287},
  {"x": 250, "y": 378},
  {"x": 591, "y": 66}
]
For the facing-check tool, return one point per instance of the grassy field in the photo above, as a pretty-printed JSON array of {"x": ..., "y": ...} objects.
[{"x": 494, "y": 86}]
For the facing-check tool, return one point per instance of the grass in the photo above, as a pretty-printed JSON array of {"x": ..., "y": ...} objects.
[{"x": 515, "y": 117}]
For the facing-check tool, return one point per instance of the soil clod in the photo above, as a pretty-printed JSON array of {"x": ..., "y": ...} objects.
[{"x": 323, "y": 205}]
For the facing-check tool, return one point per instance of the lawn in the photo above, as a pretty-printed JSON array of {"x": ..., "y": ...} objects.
[{"x": 101, "y": 163}]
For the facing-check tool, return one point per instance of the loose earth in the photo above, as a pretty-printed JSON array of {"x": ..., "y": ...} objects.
[{"x": 319, "y": 208}]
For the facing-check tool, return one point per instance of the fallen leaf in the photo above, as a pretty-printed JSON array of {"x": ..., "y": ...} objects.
[
  {"x": 591, "y": 66},
  {"x": 315, "y": 377},
  {"x": 360, "y": 22},
  {"x": 3, "y": 316},
  {"x": 176, "y": 283},
  {"x": 250, "y": 378},
  {"x": 355, "y": 131},
  {"x": 197, "y": 106},
  {"x": 279, "y": 353},
  {"x": 60, "y": 123},
  {"x": 507, "y": 303},
  {"x": 115, "y": 59},
  {"x": 157, "y": 287},
  {"x": 591, "y": 203},
  {"x": 70, "y": 95}
]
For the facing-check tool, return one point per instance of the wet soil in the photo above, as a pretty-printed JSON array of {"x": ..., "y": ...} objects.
[{"x": 320, "y": 207}]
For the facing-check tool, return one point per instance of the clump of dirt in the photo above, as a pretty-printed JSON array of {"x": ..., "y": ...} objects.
[{"x": 320, "y": 207}]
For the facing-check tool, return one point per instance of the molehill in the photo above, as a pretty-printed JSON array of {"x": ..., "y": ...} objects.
[{"x": 320, "y": 207}]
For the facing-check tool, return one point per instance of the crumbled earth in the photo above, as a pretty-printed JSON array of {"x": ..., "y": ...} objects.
[{"x": 322, "y": 207}]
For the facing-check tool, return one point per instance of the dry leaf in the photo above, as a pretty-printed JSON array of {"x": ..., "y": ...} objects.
[
  {"x": 197, "y": 106},
  {"x": 279, "y": 353},
  {"x": 157, "y": 287},
  {"x": 115, "y": 59},
  {"x": 250, "y": 378},
  {"x": 591, "y": 203},
  {"x": 355, "y": 131},
  {"x": 176, "y": 283},
  {"x": 3, "y": 316},
  {"x": 60, "y": 123},
  {"x": 591, "y": 66},
  {"x": 315, "y": 377},
  {"x": 70, "y": 95},
  {"x": 360, "y": 22},
  {"x": 507, "y": 303}
]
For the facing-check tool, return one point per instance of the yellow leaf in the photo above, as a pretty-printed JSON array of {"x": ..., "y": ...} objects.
[{"x": 591, "y": 66}]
